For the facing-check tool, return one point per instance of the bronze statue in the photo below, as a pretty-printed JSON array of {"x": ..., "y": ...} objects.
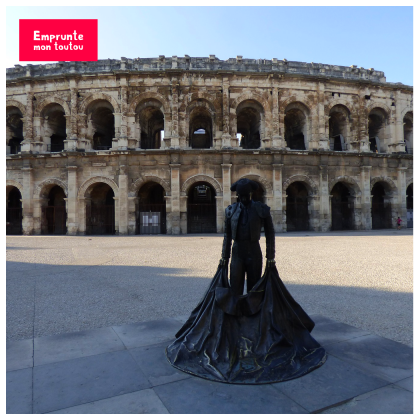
[{"x": 260, "y": 337}]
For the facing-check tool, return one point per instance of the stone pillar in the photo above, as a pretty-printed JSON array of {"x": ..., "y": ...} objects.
[
  {"x": 82, "y": 202},
  {"x": 363, "y": 125},
  {"x": 366, "y": 222},
  {"x": 116, "y": 139},
  {"x": 322, "y": 142},
  {"x": 37, "y": 216},
  {"x": 401, "y": 199},
  {"x": 276, "y": 142},
  {"x": 314, "y": 212},
  {"x": 27, "y": 203},
  {"x": 117, "y": 214},
  {"x": 123, "y": 200},
  {"x": 26, "y": 145},
  {"x": 175, "y": 122},
  {"x": 227, "y": 182},
  {"x": 175, "y": 199},
  {"x": 220, "y": 213},
  {"x": 132, "y": 228},
  {"x": 277, "y": 209},
  {"x": 398, "y": 125},
  {"x": 123, "y": 138},
  {"x": 226, "y": 136},
  {"x": 72, "y": 211},
  {"x": 325, "y": 206}
]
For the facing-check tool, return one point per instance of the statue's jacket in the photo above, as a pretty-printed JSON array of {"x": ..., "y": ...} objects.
[{"x": 259, "y": 214}]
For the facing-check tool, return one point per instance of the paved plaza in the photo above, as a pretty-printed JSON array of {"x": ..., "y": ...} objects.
[{"x": 88, "y": 319}]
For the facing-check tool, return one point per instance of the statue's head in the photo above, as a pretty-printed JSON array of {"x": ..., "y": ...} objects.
[{"x": 244, "y": 189}]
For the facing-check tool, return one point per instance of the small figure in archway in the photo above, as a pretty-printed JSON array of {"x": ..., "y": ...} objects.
[
  {"x": 243, "y": 222},
  {"x": 399, "y": 220},
  {"x": 256, "y": 338}
]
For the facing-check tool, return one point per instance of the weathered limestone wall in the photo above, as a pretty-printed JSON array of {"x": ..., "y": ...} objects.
[{"x": 182, "y": 90}]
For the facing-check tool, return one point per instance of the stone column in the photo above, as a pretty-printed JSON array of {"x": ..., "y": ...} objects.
[
  {"x": 116, "y": 139},
  {"x": 401, "y": 199},
  {"x": 226, "y": 136},
  {"x": 322, "y": 142},
  {"x": 227, "y": 182},
  {"x": 363, "y": 124},
  {"x": 175, "y": 122},
  {"x": 366, "y": 222},
  {"x": 82, "y": 203},
  {"x": 26, "y": 145},
  {"x": 314, "y": 212},
  {"x": 220, "y": 213},
  {"x": 123, "y": 200},
  {"x": 175, "y": 199},
  {"x": 325, "y": 207},
  {"x": 72, "y": 210},
  {"x": 277, "y": 209},
  {"x": 27, "y": 203},
  {"x": 398, "y": 126},
  {"x": 276, "y": 138},
  {"x": 37, "y": 216},
  {"x": 132, "y": 228},
  {"x": 123, "y": 139}
]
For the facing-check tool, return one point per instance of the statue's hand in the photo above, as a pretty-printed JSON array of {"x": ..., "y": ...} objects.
[
  {"x": 271, "y": 263},
  {"x": 224, "y": 261}
]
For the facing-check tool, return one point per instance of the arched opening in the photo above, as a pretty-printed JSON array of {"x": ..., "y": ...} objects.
[
  {"x": 409, "y": 201},
  {"x": 381, "y": 207},
  {"x": 201, "y": 208},
  {"x": 408, "y": 132},
  {"x": 338, "y": 121},
  {"x": 376, "y": 130},
  {"x": 54, "y": 127},
  {"x": 295, "y": 128},
  {"x": 151, "y": 120},
  {"x": 249, "y": 118},
  {"x": 100, "y": 210},
  {"x": 54, "y": 214},
  {"x": 101, "y": 124},
  {"x": 342, "y": 208},
  {"x": 297, "y": 212},
  {"x": 13, "y": 211},
  {"x": 14, "y": 130},
  {"x": 151, "y": 209},
  {"x": 200, "y": 131}
]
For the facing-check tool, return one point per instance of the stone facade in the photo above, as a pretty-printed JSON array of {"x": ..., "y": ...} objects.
[{"x": 305, "y": 132}]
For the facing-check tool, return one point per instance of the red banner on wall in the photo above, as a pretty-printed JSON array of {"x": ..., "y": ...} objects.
[{"x": 58, "y": 39}]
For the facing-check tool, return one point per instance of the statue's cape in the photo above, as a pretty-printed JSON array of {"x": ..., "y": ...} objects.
[{"x": 261, "y": 337}]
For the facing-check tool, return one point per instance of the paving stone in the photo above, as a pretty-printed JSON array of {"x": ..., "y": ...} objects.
[
  {"x": 140, "y": 402},
  {"x": 335, "y": 381},
  {"x": 79, "y": 381},
  {"x": 199, "y": 396},
  {"x": 154, "y": 364},
  {"x": 148, "y": 333},
  {"x": 386, "y": 400},
  {"x": 333, "y": 332},
  {"x": 382, "y": 357},
  {"x": 406, "y": 383},
  {"x": 19, "y": 391},
  {"x": 19, "y": 354},
  {"x": 74, "y": 345}
]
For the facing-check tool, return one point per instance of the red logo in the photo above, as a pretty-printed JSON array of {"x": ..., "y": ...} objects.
[{"x": 58, "y": 39}]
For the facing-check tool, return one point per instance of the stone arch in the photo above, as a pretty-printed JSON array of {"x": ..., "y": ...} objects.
[
  {"x": 17, "y": 104},
  {"x": 39, "y": 189},
  {"x": 215, "y": 105},
  {"x": 312, "y": 187},
  {"x": 201, "y": 178},
  {"x": 51, "y": 100},
  {"x": 81, "y": 194},
  {"x": 348, "y": 181},
  {"x": 384, "y": 107},
  {"x": 300, "y": 105},
  {"x": 387, "y": 180},
  {"x": 201, "y": 102},
  {"x": 144, "y": 97},
  {"x": 297, "y": 105},
  {"x": 139, "y": 182},
  {"x": 405, "y": 110},
  {"x": 95, "y": 96},
  {"x": 409, "y": 181},
  {"x": 12, "y": 183},
  {"x": 343, "y": 103},
  {"x": 267, "y": 186},
  {"x": 252, "y": 97}
]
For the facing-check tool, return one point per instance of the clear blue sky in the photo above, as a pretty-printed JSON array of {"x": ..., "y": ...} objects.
[{"x": 379, "y": 37}]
